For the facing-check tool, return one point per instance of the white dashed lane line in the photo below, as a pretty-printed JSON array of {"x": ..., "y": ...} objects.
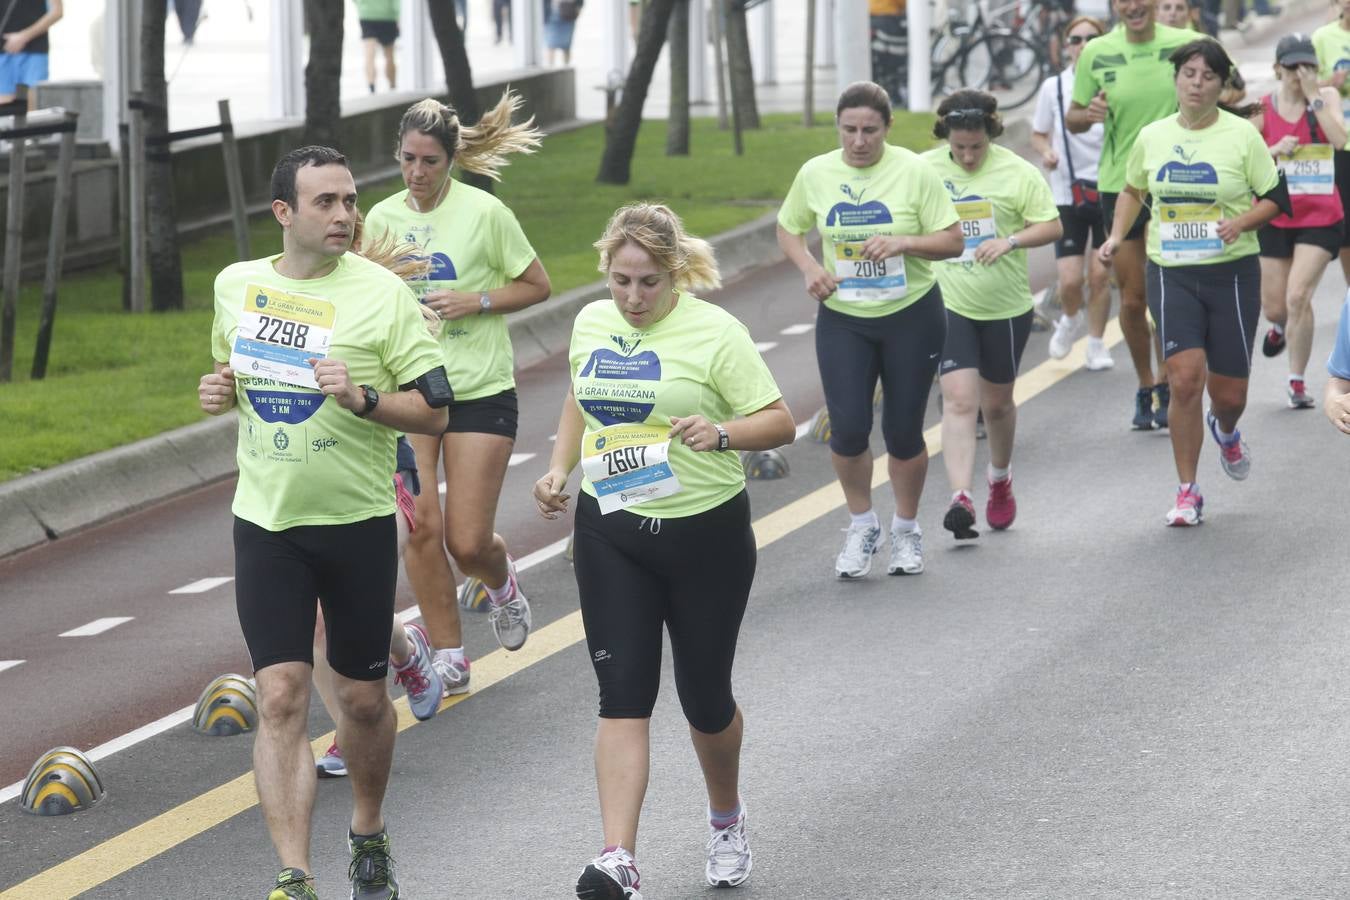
[
  {"x": 10, "y": 663},
  {"x": 518, "y": 458},
  {"x": 765, "y": 346},
  {"x": 201, "y": 586},
  {"x": 800, "y": 328},
  {"x": 98, "y": 626}
]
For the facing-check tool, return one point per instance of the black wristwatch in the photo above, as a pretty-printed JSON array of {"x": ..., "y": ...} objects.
[
  {"x": 372, "y": 401},
  {"x": 723, "y": 439}
]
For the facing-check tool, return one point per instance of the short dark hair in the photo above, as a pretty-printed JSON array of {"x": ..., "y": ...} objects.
[
  {"x": 1211, "y": 51},
  {"x": 866, "y": 94},
  {"x": 968, "y": 101},
  {"x": 283, "y": 175}
]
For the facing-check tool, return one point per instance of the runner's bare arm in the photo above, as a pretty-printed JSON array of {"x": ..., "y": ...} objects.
[
  {"x": 526, "y": 289},
  {"x": 215, "y": 392},
  {"x": 548, "y": 490},
  {"x": 944, "y": 244},
  {"x": 820, "y": 284},
  {"x": 763, "y": 429},
  {"x": 400, "y": 410}
]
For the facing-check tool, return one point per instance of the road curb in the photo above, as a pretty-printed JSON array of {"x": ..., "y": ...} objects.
[{"x": 99, "y": 488}]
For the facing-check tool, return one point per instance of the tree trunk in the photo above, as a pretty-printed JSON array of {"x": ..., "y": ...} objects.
[
  {"x": 621, "y": 135},
  {"x": 323, "y": 73},
  {"x": 740, "y": 70},
  {"x": 165, "y": 262},
  {"x": 458, "y": 74},
  {"x": 677, "y": 126}
]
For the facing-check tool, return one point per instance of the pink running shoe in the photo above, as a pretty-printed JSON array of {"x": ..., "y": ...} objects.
[
  {"x": 1189, "y": 507},
  {"x": 1001, "y": 509}
]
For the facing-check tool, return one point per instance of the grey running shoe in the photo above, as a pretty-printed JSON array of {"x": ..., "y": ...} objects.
[
  {"x": 729, "y": 857},
  {"x": 1299, "y": 398},
  {"x": 419, "y": 677},
  {"x": 906, "y": 552},
  {"x": 860, "y": 543},
  {"x": 454, "y": 676},
  {"x": 331, "y": 764},
  {"x": 372, "y": 868},
  {"x": 1234, "y": 456},
  {"x": 511, "y": 620},
  {"x": 610, "y": 876}
]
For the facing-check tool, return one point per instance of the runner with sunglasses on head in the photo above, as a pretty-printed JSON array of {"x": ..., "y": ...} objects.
[
  {"x": 883, "y": 216},
  {"x": 1302, "y": 125},
  {"x": 1005, "y": 207},
  {"x": 1071, "y": 160},
  {"x": 1332, "y": 43},
  {"x": 1212, "y": 182},
  {"x": 1123, "y": 81}
]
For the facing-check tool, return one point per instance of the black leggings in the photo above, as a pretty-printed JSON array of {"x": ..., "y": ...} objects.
[
  {"x": 693, "y": 575},
  {"x": 352, "y": 569},
  {"x": 903, "y": 349}
]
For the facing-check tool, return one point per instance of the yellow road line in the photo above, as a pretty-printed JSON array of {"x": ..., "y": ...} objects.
[{"x": 144, "y": 842}]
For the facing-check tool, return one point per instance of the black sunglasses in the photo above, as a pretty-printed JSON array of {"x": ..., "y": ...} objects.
[
  {"x": 958, "y": 116},
  {"x": 1074, "y": 40}
]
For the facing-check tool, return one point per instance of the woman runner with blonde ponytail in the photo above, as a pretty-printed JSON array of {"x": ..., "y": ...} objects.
[
  {"x": 665, "y": 388},
  {"x": 482, "y": 267}
]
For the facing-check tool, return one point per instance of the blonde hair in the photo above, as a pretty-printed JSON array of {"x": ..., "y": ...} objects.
[
  {"x": 655, "y": 228},
  {"x": 405, "y": 260},
  {"x": 482, "y": 148}
]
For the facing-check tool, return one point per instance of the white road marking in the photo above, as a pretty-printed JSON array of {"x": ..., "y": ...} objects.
[
  {"x": 201, "y": 586},
  {"x": 803, "y": 429},
  {"x": 10, "y": 663},
  {"x": 518, "y": 458},
  {"x": 98, "y": 626},
  {"x": 801, "y": 328},
  {"x": 765, "y": 346}
]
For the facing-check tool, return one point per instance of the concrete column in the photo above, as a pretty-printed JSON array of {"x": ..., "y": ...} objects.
[
  {"x": 698, "y": 52},
  {"x": 616, "y": 40},
  {"x": 763, "y": 48},
  {"x": 419, "y": 59},
  {"x": 825, "y": 46},
  {"x": 287, "y": 53},
  {"x": 852, "y": 45},
  {"x": 527, "y": 32},
  {"x": 919, "y": 16},
  {"x": 121, "y": 65}
]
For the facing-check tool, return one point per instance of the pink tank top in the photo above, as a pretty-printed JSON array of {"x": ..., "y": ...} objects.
[{"x": 1310, "y": 210}]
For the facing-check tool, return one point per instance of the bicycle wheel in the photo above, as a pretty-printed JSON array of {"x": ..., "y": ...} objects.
[{"x": 1005, "y": 65}]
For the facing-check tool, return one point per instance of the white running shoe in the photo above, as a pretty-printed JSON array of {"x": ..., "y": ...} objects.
[
  {"x": 613, "y": 875},
  {"x": 1098, "y": 357},
  {"x": 1234, "y": 456},
  {"x": 729, "y": 857},
  {"x": 454, "y": 676},
  {"x": 860, "y": 544},
  {"x": 331, "y": 764},
  {"x": 1067, "y": 330},
  {"x": 511, "y": 620},
  {"x": 906, "y": 552},
  {"x": 419, "y": 677}
]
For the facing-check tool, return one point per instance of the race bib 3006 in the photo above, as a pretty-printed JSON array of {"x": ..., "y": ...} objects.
[{"x": 1189, "y": 231}]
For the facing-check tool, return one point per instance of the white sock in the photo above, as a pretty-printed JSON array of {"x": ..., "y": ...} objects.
[
  {"x": 1278, "y": 329},
  {"x": 1293, "y": 378},
  {"x": 1225, "y": 437},
  {"x": 996, "y": 474},
  {"x": 1067, "y": 320},
  {"x": 903, "y": 526},
  {"x": 959, "y": 494},
  {"x": 1095, "y": 343},
  {"x": 454, "y": 654},
  {"x": 498, "y": 596},
  {"x": 864, "y": 520}
]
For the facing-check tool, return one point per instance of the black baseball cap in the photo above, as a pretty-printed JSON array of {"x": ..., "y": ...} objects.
[{"x": 1295, "y": 50}]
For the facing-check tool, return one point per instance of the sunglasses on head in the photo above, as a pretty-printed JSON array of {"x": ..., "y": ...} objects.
[
  {"x": 958, "y": 117},
  {"x": 1074, "y": 40}
]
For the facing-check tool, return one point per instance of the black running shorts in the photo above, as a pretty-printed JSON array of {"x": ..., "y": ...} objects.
[
  {"x": 1109, "y": 213},
  {"x": 993, "y": 346},
  {"x": 1214, "y": 308},
  {"x": 1278, "y": 243},
  {"x": 494, "y": 414},
  {"x": 1078, "y": 228},
  {"x": 352, "y": 570}
]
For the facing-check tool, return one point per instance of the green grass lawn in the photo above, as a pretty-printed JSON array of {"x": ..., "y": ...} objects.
[{"x": 114, "y": 378}]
